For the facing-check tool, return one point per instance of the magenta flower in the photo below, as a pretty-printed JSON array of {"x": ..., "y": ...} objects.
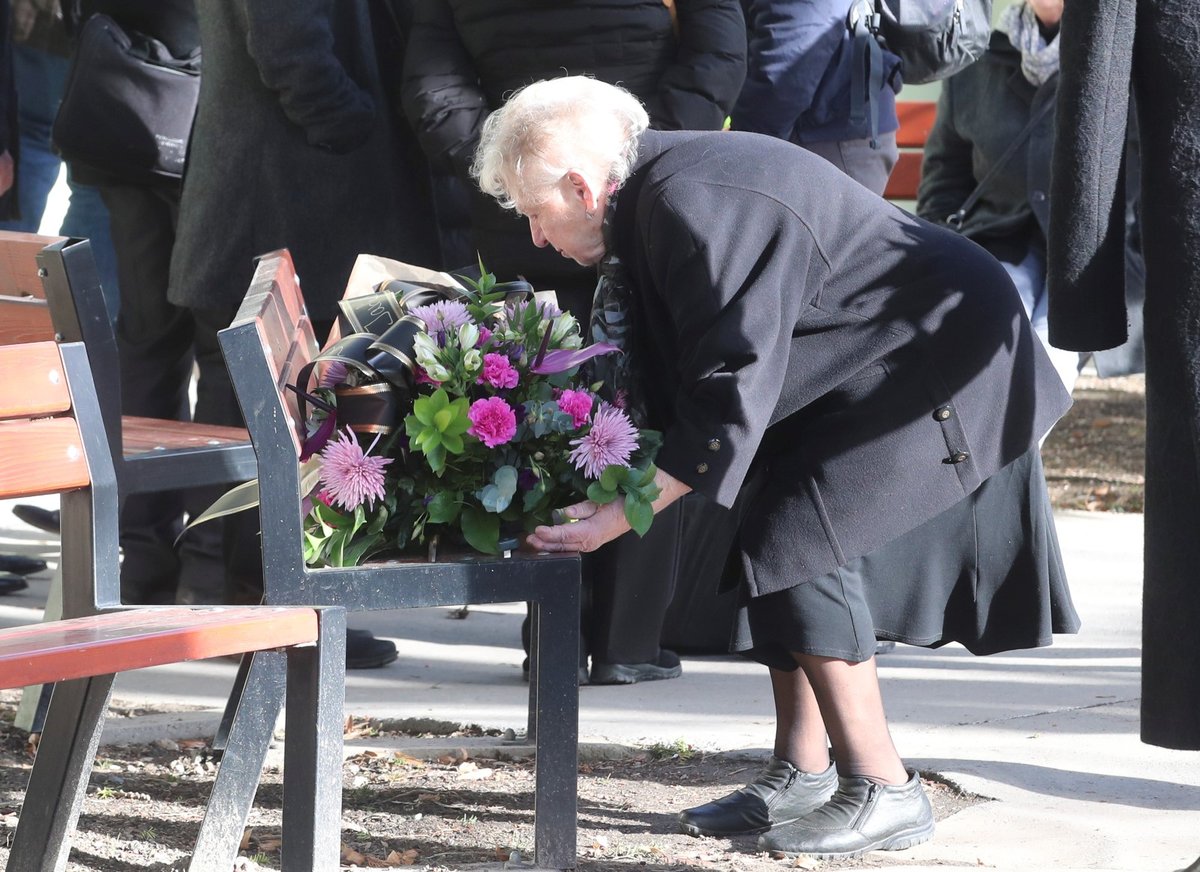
[
  {"x": 422, "y": 377},
  {"x": 577, "y": 404},
  {"x": 498, "y": 371},
  {"x": 611, "y": 441},
  {"x": 351, "y": 477},
  {"x": 485, "y": 336},
  {"x": 493, "y": 421}
]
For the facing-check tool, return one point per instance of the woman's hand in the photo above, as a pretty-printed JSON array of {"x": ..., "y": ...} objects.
[{"x": 588, "y": 527}]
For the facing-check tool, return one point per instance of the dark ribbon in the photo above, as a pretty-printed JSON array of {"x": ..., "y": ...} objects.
[{"x": 379, "y": 334}]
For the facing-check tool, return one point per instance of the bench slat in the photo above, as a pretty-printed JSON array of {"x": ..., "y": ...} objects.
[
  {"x": 906, "y": 176},
  {"x": 121, "y": 641},
  {"x": 18, "y": 267},
  {"x": 32, "y": 382},
  {"x": 41, "y": 457},
  {"x": 24, "y": 319},
  {"x": 141, "y": 435},
  {"x": 916, "y": 120}
]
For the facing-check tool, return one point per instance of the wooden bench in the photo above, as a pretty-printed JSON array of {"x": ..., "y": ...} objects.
[
  {"x": 916, "y": 121},
  {"x": 52, "y": 440},
  {"x": 51, "y": 287},
  {"x": 264, "y": 348}
]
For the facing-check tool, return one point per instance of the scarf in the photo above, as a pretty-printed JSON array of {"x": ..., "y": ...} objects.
[
  {"x": 610, "y": 322},
  {"x": 1039, "y": 60}
]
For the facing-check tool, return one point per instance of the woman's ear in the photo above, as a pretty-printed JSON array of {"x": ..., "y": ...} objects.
[{"x": 582, "y": 189}]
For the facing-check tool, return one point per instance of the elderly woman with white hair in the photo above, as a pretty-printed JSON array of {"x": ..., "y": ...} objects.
[{"x": 859, "y": 387}]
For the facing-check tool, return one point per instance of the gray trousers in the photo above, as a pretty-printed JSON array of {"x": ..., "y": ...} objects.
[{"x": 870, "y": 167}]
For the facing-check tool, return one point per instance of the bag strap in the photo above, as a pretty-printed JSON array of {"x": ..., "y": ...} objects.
[
  {"x": 866, "y": 65},
  {"x": 955, "y": 219}
]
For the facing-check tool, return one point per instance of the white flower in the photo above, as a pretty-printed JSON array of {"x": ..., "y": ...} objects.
[
  {"x": 472, "y": 361},
  {"x": 468, "y": 336},
  {"x": 562, "y": 325}
]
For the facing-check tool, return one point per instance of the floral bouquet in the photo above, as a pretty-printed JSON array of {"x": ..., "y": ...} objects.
[{"x": 486, "y": 431}]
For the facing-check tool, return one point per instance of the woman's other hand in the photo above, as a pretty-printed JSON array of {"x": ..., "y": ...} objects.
[{"x": 587, "y": 526}]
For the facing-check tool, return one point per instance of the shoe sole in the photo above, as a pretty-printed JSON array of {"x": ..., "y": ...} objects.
[
  {"x": 619, "y": 674},
  {"x": 898, "y": 842},
  {"x": 372, "y": 663},
  {"x": 693, "y": 830}
]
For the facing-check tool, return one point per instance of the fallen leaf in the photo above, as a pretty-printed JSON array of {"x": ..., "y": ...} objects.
[
  {"x": 405, "y": 858},
  {"x": 270, "y": 845},
  {"x": 349, "y": 855},
  {"x": 467, "y": 767},
  {"x": 244, "y": 845}
]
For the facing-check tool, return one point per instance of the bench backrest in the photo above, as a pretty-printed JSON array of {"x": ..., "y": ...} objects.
[
  {"x": 52, "y": 442},
  {"x": 24, "y": 314},
  {"x": 916, "y": 121},
  {"x": 267, "y": 345}
]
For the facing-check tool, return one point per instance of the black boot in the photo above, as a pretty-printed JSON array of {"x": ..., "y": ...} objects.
[
  {"x": 861, "y": 816},
  {"x": 364, "y": 651},
  {"x": 19, "y": 564},
  {"x": 779, "y": 794}
]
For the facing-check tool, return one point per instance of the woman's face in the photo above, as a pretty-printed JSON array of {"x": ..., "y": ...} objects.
[
  {"x": 1049, "y": 12},
  {"x": 563, "y": 220}
]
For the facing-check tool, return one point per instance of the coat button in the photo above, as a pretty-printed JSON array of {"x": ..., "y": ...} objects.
[
  {"x": 1038, "y": 196},
  {"x": 714, "y": 444},
  {"x": 941, "y": 413},
  {"x": 702, "y": 468},
  {"x": 958, "y": 457}
]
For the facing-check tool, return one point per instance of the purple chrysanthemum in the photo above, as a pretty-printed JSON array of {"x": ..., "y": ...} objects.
[
  {"x": 442, "y": 317},
  {"x": 335, "y": 374},
  {"x": 611, "y": 441},
  {"x": 351, "y": 476}
]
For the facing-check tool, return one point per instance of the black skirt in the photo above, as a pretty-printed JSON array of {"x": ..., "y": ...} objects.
[{"x": 986, "y": 573}]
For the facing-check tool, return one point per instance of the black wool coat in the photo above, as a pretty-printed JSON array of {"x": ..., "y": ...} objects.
[
  {"x": 466, "y": 56},
  {"x": 773, "y": 291},
  {"x": 294, "y": 146},
  {"x": 1107, "y": 47}
]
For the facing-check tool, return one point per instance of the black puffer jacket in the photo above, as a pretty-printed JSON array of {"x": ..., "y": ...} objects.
[{"x": 464, "y": 56}]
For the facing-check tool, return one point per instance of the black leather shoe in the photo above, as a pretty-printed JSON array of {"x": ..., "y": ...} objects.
[
  {"x": 861, "y": 816},
  {"x": 46, "y": 520},
  {"x": 20, "y": 564},
  {"x": 667, "y": 666},
  {"x": 11, "y": 583},
  {"x": 364, "y": 651},
  {"x": 778, "y": 795}
]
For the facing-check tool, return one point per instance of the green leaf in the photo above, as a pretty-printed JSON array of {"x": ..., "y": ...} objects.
[
  {"x": 613, "y": 476},
  {"x": 453, "y": 443},
  {"x": 481, "y": 529},
  {"x": 442, "y": 419},
  {"x": 639, "y": 514},
  {"x": 353, "y": 554},
  {"x": 444, "y": 506},
  {"x": 497, "y": 495},
  {"x": 437, "y": 458},
  {"x": 599, "y": 495}
]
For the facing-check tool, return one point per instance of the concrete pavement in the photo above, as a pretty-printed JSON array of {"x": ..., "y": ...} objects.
[{"x": 1051, "y": 734}]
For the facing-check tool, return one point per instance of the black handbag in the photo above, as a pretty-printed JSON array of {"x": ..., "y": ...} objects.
[{"x": 128, "y": 105}]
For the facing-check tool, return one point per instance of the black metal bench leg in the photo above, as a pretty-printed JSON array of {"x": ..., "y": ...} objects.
[
  {"x": 557, "y": 678},
  {"x": 59, "y": 780},
  {"x": 231, "y": 704},
  {"x": 312, "y": 762},
  {"x": 241, "y": 764},
  {"x": 534, "y": 639}
]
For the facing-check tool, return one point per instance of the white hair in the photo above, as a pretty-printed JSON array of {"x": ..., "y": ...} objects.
[{"x": 550, "y": 127}]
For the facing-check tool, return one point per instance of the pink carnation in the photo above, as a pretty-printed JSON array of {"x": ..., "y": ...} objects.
[
  {"x": 498, "y": 371},
  {"x": 493, "y": 421},
  {"x": 577, "y": 404}
]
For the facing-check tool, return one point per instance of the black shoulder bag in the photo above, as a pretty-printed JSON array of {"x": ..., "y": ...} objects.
[{"x": 128, "y": 105}]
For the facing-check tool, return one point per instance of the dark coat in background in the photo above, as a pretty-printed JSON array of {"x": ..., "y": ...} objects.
[
  {"x": 980, "y": 113},
  {"x": 294, "y": 146},
  {"x": 1107, "y": 46},
  {"x": 466, "y": 55},
  {"x": 9, "y": 132},
  {"x": 773, "y": 289},
  {"x": 799, "y": 72}
]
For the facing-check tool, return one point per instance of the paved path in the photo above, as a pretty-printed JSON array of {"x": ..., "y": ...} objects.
[{"x": 1050, "y": 734}]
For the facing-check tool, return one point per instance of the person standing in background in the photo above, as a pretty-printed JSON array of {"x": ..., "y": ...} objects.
[
  {"x": 41, "y": 55},
  {"x": 464, "y": 57},
  {"x": 293, "y": 147},
  {"x": 798, "y": 87},
  {"x": 1110, "y": 50}
]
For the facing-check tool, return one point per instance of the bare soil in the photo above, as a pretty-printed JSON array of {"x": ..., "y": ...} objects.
[{"x": 145, "y": 803}]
